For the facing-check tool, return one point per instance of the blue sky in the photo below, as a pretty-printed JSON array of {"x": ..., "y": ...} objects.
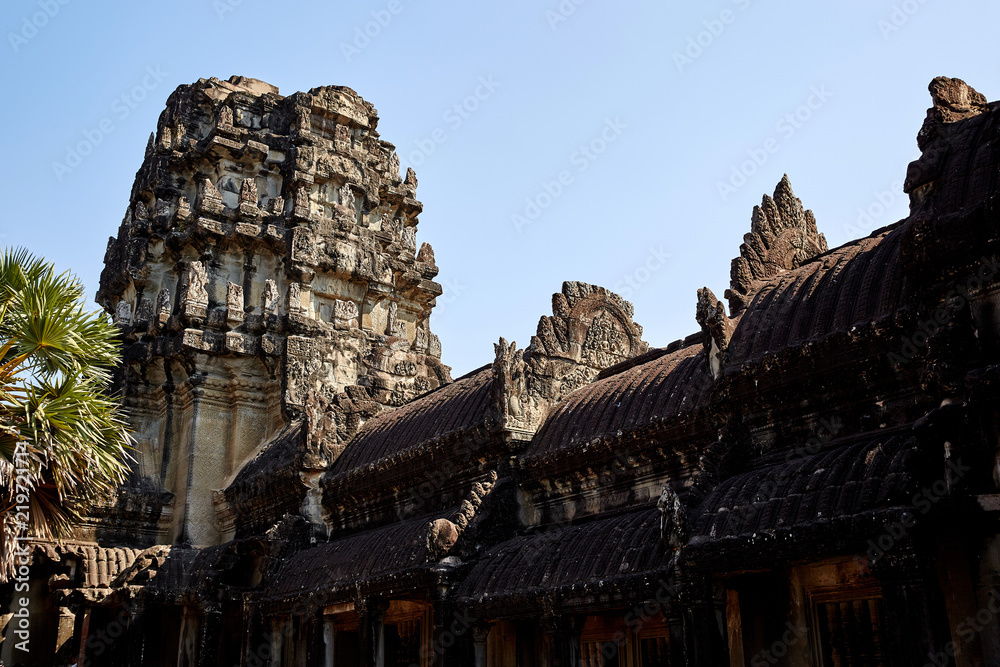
[{"x": 623, "y": 144}]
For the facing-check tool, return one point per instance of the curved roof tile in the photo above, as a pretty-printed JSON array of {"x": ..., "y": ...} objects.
[
  {"x": 857, "y": 282},
  {"x": 453, "y": 408},
  {"x": 664, "y": 387}
]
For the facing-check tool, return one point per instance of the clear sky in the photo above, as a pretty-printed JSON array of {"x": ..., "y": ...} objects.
[{"x": 623, "y": 144}]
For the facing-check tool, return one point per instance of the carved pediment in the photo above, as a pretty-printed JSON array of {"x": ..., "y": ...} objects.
[{"x": 783, "y": 236}]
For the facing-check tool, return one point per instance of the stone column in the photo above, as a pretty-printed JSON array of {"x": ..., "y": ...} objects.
[
  {"x": 372, "y": 625},
  {"x": 704, "y": 614},
  {"x": 480, "y": 632},
  {"x": 563, "y": 636},
  {"x": 208, "y": 641},
  {"x": 65, "y": 627},
  {"x": 914, "y": 618}
]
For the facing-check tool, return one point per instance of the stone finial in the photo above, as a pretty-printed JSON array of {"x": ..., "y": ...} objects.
[
  {"x": 426, "y": 254},
  {"x": 150, "y": 144},
  {"x": 717, "y": 329},
  {"x": 210, "y": 199},
  {"x": 163, "y": 306},
  {"x": 513, "y": 408},
  {"x": 783, "y": 236},
  {"x": 954, "y": 101},
  {"x": 673, "y": 518},
  {"x": 269, "y": 299},
  {"x": 411, "y": 177}
]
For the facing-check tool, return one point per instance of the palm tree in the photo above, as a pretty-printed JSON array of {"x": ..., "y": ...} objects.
[{"x": 63, "y": 442}]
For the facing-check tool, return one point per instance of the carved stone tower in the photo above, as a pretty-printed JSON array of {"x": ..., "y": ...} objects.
[{"x": 268, "y": 250}]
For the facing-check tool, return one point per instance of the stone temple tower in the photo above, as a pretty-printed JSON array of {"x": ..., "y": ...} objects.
[{"x": 267, "y": 258}]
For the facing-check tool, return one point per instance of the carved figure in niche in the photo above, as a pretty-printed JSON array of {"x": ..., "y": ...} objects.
[
  {"x": 226, "y": 117},
  {"x": 347, "y": 198},
  {"x": 123, "y": 313},
  {"x": 607, "y": 343},
  {"x": 163, "y": 305},
  {"x": 197, "y": 292},
  {"x": 391, "y": 322},
  {"x": 248, "y": 192},
  {"x": 269, "y": 299}
]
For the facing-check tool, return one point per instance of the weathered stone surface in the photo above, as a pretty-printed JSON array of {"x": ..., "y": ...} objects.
[
  {"x": 782, "y": 237},
  {"x": 357, "y": 295}
]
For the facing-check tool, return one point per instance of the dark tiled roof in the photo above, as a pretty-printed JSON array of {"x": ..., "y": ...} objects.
[
  {"x": 855, "y": 283},
  {"x": 840, "y": 482},
  {"x": 100, "y": 566},
  {"x": 603, "y": 549},
  {"x": 451, "y": 409},
  {"x": 668, "y": 385},
  {"x": 347, "y": 561}
]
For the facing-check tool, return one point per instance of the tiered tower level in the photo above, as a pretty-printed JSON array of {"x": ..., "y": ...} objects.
[{"x": 268, "y": 254}]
